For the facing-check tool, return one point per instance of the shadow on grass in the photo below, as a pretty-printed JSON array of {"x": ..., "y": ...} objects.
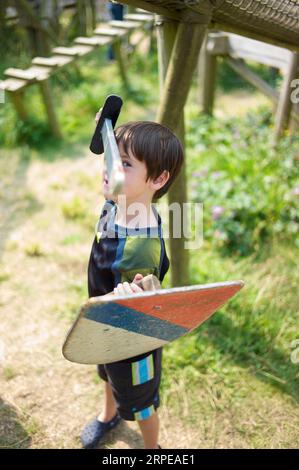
[
  {"x": 12, "y": 433},
  {"x": 122, "y": 433},
  {"x": 251, "y": 349}
]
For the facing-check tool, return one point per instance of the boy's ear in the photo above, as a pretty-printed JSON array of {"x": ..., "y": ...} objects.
[{"x": 161, "y": 180}]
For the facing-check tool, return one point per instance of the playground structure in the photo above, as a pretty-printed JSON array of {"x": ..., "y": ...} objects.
[
  {"x": 42, "y": 68},
  {"x": 186, "y": 30},
  {"x": 235, "y": 49},
  {"x": 182, "y": 27}
]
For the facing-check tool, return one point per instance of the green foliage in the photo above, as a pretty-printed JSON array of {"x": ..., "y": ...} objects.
[
  {"x": 228, "y": 79},
  {"x": 75, "y": 209},
  {"x": 34, "y": 250},
  {"x": 249, "y": 188},
  {"x": 254, "y": 331},
  {"x": 78, "y": 92}
]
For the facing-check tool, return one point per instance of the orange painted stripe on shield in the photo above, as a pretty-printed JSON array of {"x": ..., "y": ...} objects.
[{"x": 185, "y": 310}]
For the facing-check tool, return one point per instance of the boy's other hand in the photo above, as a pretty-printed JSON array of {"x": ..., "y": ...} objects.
[{"x": 125, "y": 288}]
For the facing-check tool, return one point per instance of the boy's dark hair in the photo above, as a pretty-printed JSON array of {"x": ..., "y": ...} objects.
[{"x": 154, "y": 144}]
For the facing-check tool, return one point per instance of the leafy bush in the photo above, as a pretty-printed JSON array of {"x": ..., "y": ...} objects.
[{"x": 249, "y": 188}]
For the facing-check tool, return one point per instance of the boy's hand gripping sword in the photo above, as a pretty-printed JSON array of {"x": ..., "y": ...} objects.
[{"x": 103, "y": 140}]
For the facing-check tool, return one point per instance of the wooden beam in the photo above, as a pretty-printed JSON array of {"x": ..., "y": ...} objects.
[
  {"x": 258, "y": 51},
  {"x": 166, "y": 33},
  {"x": 18, "y": 101},
  {"x": 258, "y": 82},
  {"x": 73, "y": 51},
  {"x": 148, "y": 6},
  {"x": 259, "y": 37},
  {"x": 93, "y": 41},
  {"x": 183, "y": 60},
  {"x": 106, "y": 31},
  {"x": 138, "y": 17},
  {"x": 36, "y": 21},
  {"x": 20, "y": 73},
  {"x": 40, "y": 72},
  {"x": 217, "y": 43},
  {"x": 49, "y": 108},
  {"x": 180, "y": 71},
  {"x": 125, "y": 24},
  {"x": 242, "y": 69},
  {"x": 209, "y": 81},
  {"x": 13, "y": 84},
  {"x": 54, "y": 62},
  {"x": 120, "y": 62}
]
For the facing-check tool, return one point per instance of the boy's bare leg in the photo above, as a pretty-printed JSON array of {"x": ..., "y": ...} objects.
[
  {"x": 150, "y": 430},
  {"x": 109, "y": 410}
]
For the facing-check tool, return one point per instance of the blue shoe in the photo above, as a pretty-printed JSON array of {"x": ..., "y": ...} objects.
[{"x": 96, "y": 430}]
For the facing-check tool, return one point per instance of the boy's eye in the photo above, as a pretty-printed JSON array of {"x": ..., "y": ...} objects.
[{"x": 126, "y": 163}]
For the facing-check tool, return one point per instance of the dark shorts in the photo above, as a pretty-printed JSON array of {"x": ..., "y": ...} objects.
[{"x": 135, "y": 384}]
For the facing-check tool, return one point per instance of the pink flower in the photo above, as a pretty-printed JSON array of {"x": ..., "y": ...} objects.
[
  {"x": 217, "y": 211},
  {"x": 216, "y": 175},
  {"x": 200, "y": 174}
]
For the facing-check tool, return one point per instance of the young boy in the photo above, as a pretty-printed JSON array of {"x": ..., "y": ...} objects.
[{"x": 125, "y": 249}]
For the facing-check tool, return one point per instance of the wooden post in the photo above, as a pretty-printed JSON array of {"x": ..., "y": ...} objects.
[
  {"x": 81, "y": 17},
  {"x": 17, "y": 99},
  {"x": 201, "y": 71},
  {"x": 2, "y": 16},
  {"x": 209, "y": 66},
  {"x": 49, "y": 108},
  {"x": 93, "y": 14},
  {"x": 120, "y": 62},
  {"x": 25, "y": 10},
  {"x": 182, "y": 63},
  {"x": 284, "y": 104},
  {"x": 166, "y": 33}
]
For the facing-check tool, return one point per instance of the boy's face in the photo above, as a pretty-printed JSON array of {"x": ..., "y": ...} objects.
[{"x": 135, "y": 188}]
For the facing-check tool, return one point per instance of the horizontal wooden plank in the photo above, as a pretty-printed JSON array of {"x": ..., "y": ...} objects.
[
  {"x": 32, "y": 74},
  {"x": 62, "y": 60},
  {"x": 92, "y": 41},
  {"x": 103, "y": 40},
  {"x": 19, "y": 73},
  {"x": 53, "y": 62},
  {"x": 258, "y": 51},
  {"x": 106, "y": 31},
  {"x": 44, "y": 61},
  {"x": 143, "y": 12},
  {"x": 125, "y": 24},
  {"x": 13, "y": 84},
  {"x": 67, "y": 51},
  {"x": 40, "y": 72},
  {"x": 74, "y": 51},
  {"x": 138, "y": 17}
]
